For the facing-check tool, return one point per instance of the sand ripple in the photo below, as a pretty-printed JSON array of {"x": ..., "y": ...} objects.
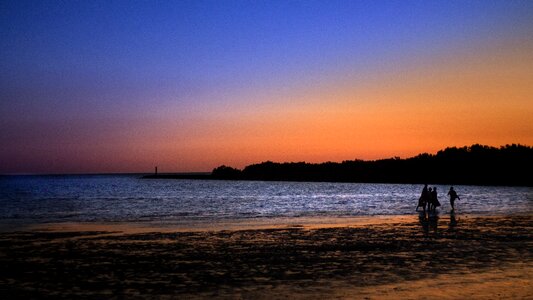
[{"x": 297, "y": 261}]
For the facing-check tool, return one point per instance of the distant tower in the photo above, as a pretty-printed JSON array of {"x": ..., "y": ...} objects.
[{"x": 156, "y": 170}]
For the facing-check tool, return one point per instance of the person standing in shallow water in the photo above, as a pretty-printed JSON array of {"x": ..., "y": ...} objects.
[
  {"x": 429, "y": 199},
  {"x": 423, "y": 198},
  {"x": 434, "y": 198},
  {"x": 453, "y": 196}
]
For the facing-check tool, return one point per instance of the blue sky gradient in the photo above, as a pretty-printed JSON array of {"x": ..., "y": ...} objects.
[{"x": 77, "y": 65}]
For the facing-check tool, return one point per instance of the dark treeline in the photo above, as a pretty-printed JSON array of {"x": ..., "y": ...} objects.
[{"x": 477, "y": 165}]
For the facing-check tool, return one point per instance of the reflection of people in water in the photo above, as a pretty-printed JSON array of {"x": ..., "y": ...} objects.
[
  {"x": 422, "y": 218},
  {"x": 453, "y": 221},
  {"x": 429, "y": 222},
  {"x": 433, "y": 222},
  {"x": 453, "y": 196}
]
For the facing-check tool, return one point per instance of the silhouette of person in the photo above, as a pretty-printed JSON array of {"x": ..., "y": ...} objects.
[
  {"x": 453, "y": 195},
  {"x": 434, "y": 199},
  {"x": 429, "y": 199},
  {"x": 423, "y": 198}
]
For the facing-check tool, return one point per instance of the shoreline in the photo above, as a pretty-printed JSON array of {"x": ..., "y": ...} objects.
[
  {"x": 407, "y": 257},
  {"x": 210, "y": 224},
  {"x": 259, "y": 223}
]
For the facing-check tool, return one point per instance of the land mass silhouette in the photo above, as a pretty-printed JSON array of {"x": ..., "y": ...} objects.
[{"x": 476, "y": 165}]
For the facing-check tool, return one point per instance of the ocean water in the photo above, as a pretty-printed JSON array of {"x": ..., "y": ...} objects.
[{"x": 128, "y": 198}]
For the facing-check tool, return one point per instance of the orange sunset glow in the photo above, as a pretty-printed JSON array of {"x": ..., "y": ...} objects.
[
  {"x": 341, "y": 104},
  {"x": 400, "y": 112}
]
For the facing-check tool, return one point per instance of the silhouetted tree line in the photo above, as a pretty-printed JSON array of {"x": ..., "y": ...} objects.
[{"x": 477, "y": 164}]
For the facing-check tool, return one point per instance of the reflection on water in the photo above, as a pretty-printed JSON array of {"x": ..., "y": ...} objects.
[
  {"x": 433, "y": 222},
  {"x": 430, "y": 222},
  {"x": 453, "y": 221},
  {"x": 423, "y": 219},
  {"x": 129, "y": 198}
]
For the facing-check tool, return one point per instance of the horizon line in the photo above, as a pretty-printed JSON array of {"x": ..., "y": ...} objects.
[{"x": 209, "y": 172}]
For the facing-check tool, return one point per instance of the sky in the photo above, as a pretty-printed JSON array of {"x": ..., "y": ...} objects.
[{"x": 123, "y": 86}]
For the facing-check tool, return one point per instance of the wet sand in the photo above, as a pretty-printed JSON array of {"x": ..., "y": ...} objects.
[{"x": 409, "y": 258}]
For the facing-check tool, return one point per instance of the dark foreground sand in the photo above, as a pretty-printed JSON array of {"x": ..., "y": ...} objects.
[{"x": 452, "y": 258}]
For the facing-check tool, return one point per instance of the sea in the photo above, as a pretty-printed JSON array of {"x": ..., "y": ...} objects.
[{"x": 32, "y": 199}]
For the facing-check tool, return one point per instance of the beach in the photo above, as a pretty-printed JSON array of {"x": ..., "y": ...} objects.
[{"x": 409, "y": 257}]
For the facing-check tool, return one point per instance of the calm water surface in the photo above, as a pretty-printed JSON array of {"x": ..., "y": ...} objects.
[{"x": 40, "y": 199}]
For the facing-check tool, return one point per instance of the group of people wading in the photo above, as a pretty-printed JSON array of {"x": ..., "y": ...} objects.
[{"x": 429, "y": 200}]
